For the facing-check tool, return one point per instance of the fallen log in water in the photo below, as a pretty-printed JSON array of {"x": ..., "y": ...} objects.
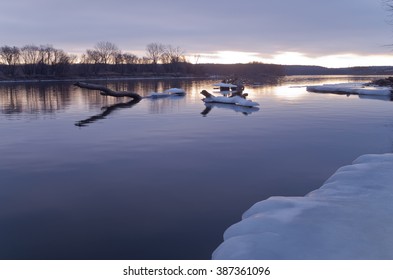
[{"x": 106, "y": 91}]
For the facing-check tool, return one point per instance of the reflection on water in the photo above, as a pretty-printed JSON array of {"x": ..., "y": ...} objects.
[
  {"x": 155, "y": 180},
  {"x": 240, "y": 109},
  {"x": 293, "y": 94},
  {"x": 47, "y": 98},
  {"x": 33, "y": 99},
  {"x": 166, "y": 104},
  {"x": 107, "y": 110}
]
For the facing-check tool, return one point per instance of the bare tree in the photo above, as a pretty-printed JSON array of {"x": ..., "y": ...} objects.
[
  {"x": 45, "y": 54},
  {"x": 154, "y": 52},
  {"x": 107, "y": 52},
  {"x": 143, "y": 60},
  {"x": 197, "y": 57},
  {"x": 92, "y": 57},
  {"x": 30, "y": 56},
  {"x": 119, "y": 58},
  {"x": 172, "y": 58},
  {"x": 59, "y": 56},
  {"x": 104, "y": 53},
  {"x": 61, "y": 62},
  {"x": 10, "y": 56},
  {"x": 174, "y": 54},
  {"x": 130, "y": 58}
]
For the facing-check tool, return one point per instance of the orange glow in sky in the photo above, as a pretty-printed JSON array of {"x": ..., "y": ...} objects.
[{"x": 293, "y": 58}]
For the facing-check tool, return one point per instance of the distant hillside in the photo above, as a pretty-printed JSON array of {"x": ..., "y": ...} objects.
[
  {"x": 318, "y": 70},
  {"x": 253, "y": 72},
  {"x": 243, "y": 69},
  {"x": 261, "y": 71}
]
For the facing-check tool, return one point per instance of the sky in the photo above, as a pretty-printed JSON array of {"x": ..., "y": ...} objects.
[{"x": 334, "y": 33}]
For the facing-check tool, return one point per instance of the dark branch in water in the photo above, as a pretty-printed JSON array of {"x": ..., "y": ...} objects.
[
  {"x": 207, "y": 110},
  {"x": 106, "y": 91},
  {"x": 206, "y": 94},
  {"x": 240, "y": 93},
  {"x": 108, "y": 110}
]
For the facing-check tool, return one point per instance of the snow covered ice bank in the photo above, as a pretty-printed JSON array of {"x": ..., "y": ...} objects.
[
  {"x": 351, "y": 88},
  {"x": 349, "y": 217}
]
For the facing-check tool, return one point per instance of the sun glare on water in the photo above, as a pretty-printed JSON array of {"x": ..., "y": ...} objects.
[{"x": 290, "y": 93}]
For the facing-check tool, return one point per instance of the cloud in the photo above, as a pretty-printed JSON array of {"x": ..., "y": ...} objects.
[{"x": 314, "y": 28}]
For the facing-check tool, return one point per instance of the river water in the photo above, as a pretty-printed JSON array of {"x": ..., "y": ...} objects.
[{"x": 84, "y": 178}]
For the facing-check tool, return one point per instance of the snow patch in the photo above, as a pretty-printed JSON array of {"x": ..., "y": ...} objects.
[
  {"x": 349, "y": 217},
  {"x": 351, "y": 88},
  {"x": 239, "y": 109},
  {"x": 237, "y": 100},
  {"x": 167, "y": 93},
  {"x": 225, "y": 85},
  {"x": 158, "y": 95},
  {"x": 176, "y": 91}
]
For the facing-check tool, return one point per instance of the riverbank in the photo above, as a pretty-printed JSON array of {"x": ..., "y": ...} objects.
[
  {"x": 349, "y": 217},
  {"x": 107, "y": 78}
]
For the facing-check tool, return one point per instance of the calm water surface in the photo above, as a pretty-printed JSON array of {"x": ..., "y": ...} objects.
[{"x": 82, "y": 178}]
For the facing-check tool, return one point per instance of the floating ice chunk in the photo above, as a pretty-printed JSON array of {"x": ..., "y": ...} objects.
[
  {"x": 351, "y": 88},
  {"x": 176, "y": 91},
  {"x": 167, "y": 93},
  {"x": 240, "y": 109},
  {"x": 237, "y": 100},
  {"x": 224, "y": 85},
  {"x": 158, "y": 95},
  {"x": 349, "y": 217}
]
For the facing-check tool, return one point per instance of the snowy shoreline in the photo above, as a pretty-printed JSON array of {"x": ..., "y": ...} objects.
[
  {"x": 352, "y": 88},
  {"x": 349, "y": 217}
]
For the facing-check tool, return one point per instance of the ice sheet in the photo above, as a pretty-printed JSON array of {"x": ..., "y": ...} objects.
[
  {"x": 349, "y": 217},
  {"x": 351, "y": 88}
]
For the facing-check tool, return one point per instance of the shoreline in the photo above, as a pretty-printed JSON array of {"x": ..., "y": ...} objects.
[
  {"x": 130, "y": 78},
  {"x": 76, "y": 79},
  {"x": 347, "y": 218}
]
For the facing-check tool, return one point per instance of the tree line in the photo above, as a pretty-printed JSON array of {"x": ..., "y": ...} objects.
[
  {"x": 31, "y": 60},
  {"x": 104, "y": 59}
]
